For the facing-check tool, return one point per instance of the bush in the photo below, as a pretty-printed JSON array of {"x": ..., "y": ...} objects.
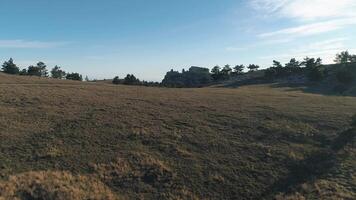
[
  {"x": 38, "y": 70},
  {"x": 33, "y": 71},
  {"x": 130, "y": 79},
  {"x": 74, "y": 76},
  {"x": 57, "y": 72},
  {"x": 23, "y": 72},
  {"x": 116, "y": 80}
]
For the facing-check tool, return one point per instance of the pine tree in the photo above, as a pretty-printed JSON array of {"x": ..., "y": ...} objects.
[{"x": 10, "y": 67}]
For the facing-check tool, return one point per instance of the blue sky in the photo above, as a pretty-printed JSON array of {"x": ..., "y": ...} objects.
[{"x": 105, "y": 38}]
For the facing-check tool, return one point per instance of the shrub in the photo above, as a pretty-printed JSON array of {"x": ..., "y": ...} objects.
[
  {"x": 116, "y": 80},
  {"x": 23, "y": 72},
  {"x": 130, "y": 79},
  {"x": 33, "y": 71},
  {"x": 74, "y": 76},
  {"x": 57, "y": 72}
]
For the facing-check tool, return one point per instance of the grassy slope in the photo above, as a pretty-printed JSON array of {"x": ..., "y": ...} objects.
[
  {"x": 328, "y": 86},
  {"x": 248, "y": 143}
]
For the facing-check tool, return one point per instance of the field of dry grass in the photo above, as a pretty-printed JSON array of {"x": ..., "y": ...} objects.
[{"x": 127, "y": 142}]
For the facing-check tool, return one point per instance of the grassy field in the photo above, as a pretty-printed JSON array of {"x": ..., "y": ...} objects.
[{"x": 72, "y": 140}]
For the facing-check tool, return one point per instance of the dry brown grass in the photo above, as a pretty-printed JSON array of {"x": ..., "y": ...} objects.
[
  {"x": 141, "y": 173},
  {"x": 151, "y": 143},
  {"x": 54, "y": 186},
  {"x": 321, "y": 189}
]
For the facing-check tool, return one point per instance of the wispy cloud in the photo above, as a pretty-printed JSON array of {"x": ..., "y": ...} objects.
[
  {"x": 23, "y": 44},
  {"x": 305, "y": 10},
  {"x": 268, "y": 6},
  {"x": 326, "y": 49},
  {"x": 319, "y": 9},
  {"x": 312, "y": 16},
  {"x": 312, "y": 28}
]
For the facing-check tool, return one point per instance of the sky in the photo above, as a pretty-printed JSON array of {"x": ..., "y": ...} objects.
[{"x": 102, "y": 39}]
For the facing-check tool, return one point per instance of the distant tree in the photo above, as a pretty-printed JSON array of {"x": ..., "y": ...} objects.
[
  {"x": 150, "y": 84},
  {"x": 343, "y": 57},
  {"x": 293, "y": 63},
  {"x": 216, "y": 72},
  {"x": 253, "y": 67},
  {"x": 226, "y": 72},
  {"x": 353, "y": 58},
  {"x": 10, "y": 67},
  {"x": 293, "y": 67},
  {"x": 216, "y": 69},
  {"x": 130, "y": 79},
  {"x": 74, "y": 76},
  {"x": 196, "y": 77},
  {"x": 87, "y": 79},
  {"x": 238, "y": 69},
  {"x": 23, "y": 72},
  {"x": 277, "y": 64},
  {"x": 275, "y": 71},
  {"x": 38, "y": 70},
  {"x": 310, "y": 63},
  {"x": 314, "y": 71},
  {"x": 116, "y": 80},
  {"x": 33, "y": 71},
  {"x": 57, "y": 72},
  {"x": 43, "y": 69}
]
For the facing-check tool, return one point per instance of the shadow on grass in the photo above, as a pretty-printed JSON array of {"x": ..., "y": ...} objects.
[
  {"x": 240, "y": 83},
  {"x": 312, "y": 167},
  {"x": 313, "y": 88}
]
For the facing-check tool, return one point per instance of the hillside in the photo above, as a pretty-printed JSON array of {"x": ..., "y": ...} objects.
[
  {"x": 73, "y": 140},
  {"x": 329, "y": 85}
]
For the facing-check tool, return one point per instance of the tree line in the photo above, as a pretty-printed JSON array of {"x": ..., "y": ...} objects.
[
  {"x": 40, "y": 70},
  {"x": 313, "y": 69},
  {"x": 200, "y": 76},
  {"x": 131, "y": 79},
  {"x": 341, "y": 76},
  {"x": 310, "y": 68},
  {"x": 193, "y": 77}
]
